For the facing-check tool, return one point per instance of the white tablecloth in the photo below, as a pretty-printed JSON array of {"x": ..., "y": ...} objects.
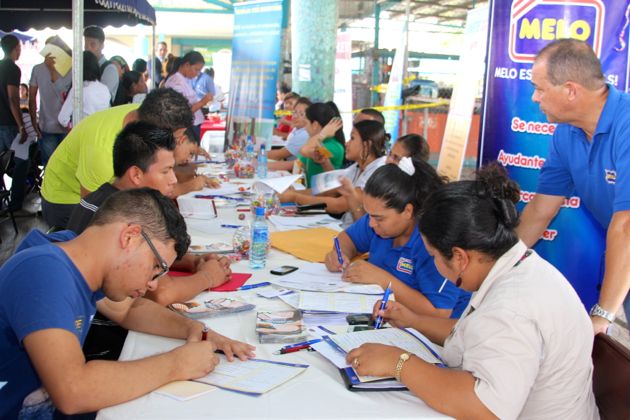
[{"x": 319, "y": 393}]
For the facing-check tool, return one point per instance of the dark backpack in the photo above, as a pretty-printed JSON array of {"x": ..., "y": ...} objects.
[{"x": 121, "y": 96}]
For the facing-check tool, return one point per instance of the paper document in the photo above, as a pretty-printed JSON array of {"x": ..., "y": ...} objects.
[
  {"x": 21, "y": 150},
  {"x": 337, "y": 302},
  {"x": 278, "y": 184},
  {"x": 254, "y": 376},
  {"x": 184, "y": 390},
  {"x": 284, "y": 223},
  {"x": 62, "y": 54},
  {"x": 327, "y": 181},
  {"x": 198, "y": 208},
  {"x": 316, "y": 278}
]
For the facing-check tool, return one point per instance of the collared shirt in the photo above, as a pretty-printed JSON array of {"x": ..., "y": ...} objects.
[
  {"x": 409, "y": 263},
  {"x": 527, "y": 340},
  {"x": 203, "y": 84},
  {"x": 181, "y": 84},
  {"x": 95, "y": 98},
  {"x": 359, "y": 178},
  {"x": 598, "y": 170}
]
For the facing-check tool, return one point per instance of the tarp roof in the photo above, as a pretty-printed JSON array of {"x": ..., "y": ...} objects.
[{"x": 39, "y": 14}]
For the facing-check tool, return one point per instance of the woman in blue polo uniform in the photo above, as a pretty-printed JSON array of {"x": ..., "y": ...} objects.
[{"x": 392, "y": 199}]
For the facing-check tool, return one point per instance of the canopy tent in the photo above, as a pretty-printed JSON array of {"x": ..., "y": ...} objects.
[{"x": 39, "y": 14}]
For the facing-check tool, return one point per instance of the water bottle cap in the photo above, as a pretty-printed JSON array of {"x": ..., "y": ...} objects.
[{"x": 260, "y": 211}]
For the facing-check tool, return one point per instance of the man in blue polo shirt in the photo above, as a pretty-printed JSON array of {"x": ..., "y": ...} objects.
[{"x": 589, "y": 155}]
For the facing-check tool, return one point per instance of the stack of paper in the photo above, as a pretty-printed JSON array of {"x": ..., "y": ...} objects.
[
  {"x": 184, "y": 390},
  {"x": 316, "y": 278},
  {"x": 337, "y": 302},
  {"x": 312, "y": 247},
  {"x": 284, "y": 223}
]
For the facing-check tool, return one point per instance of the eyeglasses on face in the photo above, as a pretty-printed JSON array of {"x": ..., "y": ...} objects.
[{"x": 158, "y": 257}]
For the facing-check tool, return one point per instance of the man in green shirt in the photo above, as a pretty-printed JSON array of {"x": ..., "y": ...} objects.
[{"x": 83, "y": 161}]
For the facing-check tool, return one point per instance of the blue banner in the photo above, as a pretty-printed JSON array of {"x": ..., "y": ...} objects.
[
  {"x": 255, "y": 58},
  {"x": 516, "y": 133}
]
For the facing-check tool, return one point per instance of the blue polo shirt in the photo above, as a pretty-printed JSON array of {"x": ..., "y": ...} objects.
[
  {"x": 598, "y": 171},
  {"x": 410, "y": 263}
]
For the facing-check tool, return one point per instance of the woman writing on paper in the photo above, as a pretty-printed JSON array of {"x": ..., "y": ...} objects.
[
  {"x": 523, "y": 347},
  {"x": 392, "y": 199},
  {"x": 366, "y": 149}
]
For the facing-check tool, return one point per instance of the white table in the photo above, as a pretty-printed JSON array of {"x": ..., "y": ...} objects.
[{"x": 318, "y": 393}]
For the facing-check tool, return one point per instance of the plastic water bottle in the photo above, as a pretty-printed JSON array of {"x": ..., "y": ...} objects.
[
  {"x": 249, "y": 147},
  {"x": 260, "y": 240},
  {"x": 261, "y": 170}
]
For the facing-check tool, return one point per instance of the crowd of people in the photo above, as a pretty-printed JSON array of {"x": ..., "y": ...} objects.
[{"x": 517, "y": 339}]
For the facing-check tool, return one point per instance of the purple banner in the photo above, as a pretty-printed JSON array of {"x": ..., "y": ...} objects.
[{"x": 516, "y": 133}]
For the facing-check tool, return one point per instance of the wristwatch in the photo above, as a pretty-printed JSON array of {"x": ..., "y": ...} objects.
[
  {"x": 401, "y": 361},
  {"x": 597, "y": 310}
]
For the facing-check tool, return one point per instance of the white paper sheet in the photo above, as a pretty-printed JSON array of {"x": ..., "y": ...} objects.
[
  {"x": 284, "y": 223},
  {"x": 337, "y": 302},
  {"x": 315, "y": 277},
  {"x": 252, "y": 376},
  {"x": 279, "y": 184}
]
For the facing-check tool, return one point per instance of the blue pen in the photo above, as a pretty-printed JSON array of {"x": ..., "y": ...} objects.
[
  {"x": 211, "y": 196},
  {"x": 231, "y": 226},
  {"x": 254, "y": 286},
  {"x": 338, "y": 250},
  {"x": 379, "y": 319}
]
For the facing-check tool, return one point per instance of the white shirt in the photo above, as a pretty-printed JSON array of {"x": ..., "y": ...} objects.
[
  {"x": 182, "y": 85},
  {"x": 359, "y": 179},
  {"x": 527, "y": 339},
  {"x": 95, "y": 98}
]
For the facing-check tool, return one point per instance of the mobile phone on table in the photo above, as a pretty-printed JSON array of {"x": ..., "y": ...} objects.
[
  {"x": 355, "y": 328},
  {"x": 282, "y": 270},
  {"x": 359, "y": 319}
]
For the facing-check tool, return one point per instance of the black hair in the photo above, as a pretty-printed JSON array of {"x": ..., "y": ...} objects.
[
  {"x": 24, "y": 85},
  {"x": 139, "y": 65},
  {"x": 284, "y": 88},
  {"x": 323, "y": 113},
  {"x": 166, "y": 108},
  {"x": 303, "y": 101},
  {"x": 192, "y": 136},
  {"x": 95, "y": 32},
  {"x": 209, "y": 72},
  {"x": 291, "y": 95},
  {"x": 416, "y": 146},
  {"x": 9, "y": 43},
  {"x": 91, "y": 69},
  {"x": 172, "y": 65},
  {"x": 147, "y": 207},
  {"x": 475, "y": 215},
  {"x": 137, "y": 145},
  {"x": 192, "y": 57},
  {"x": 397, "y": 189},
  {"x": 373, "y": 131},
  {"x": 129, "y": 78},
  {"x": 378, "y": 115}
]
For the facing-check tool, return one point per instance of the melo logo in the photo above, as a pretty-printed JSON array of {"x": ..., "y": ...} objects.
[{"x": 535, "y": 23}]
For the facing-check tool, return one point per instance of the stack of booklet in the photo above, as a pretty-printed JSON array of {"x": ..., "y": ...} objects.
[
  {"x": 281, "y": 327},
  {"x": 212, "y": 307}
]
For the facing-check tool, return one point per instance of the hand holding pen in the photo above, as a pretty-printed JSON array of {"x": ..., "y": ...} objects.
[{"x": 379, "y": 319}]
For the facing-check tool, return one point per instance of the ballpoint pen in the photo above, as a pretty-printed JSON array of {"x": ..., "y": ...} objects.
[
  {"x": 338, "y": 250},
  {"x": 254, "y": 286},
  {"x": 297, "y": 346},
  {"x": 231, "y": 226},
  {"x": 379, "y": 319},
  {"x": 212, "y": 196}
]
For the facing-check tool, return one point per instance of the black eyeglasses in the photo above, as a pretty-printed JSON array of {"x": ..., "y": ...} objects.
[{"x": 161, "y": 261}]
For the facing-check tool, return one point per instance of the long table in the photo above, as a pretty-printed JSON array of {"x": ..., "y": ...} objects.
[{"x": 319, "y": 393}]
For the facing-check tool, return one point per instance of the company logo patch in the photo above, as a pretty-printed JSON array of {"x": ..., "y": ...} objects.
[
  {"x": 78, "y": 323},
  {"x": 611, "y": 176},
  {"x": 534, "y": 23},
  {"x": 405, "y": 265}
]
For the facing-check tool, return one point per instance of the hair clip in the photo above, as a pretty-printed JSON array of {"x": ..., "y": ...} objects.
[{"x": 406, "y": 165}]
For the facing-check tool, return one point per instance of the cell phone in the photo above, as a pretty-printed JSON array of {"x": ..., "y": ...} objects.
[
  {"x": 285, "y": 269},
  {"x": 355, "y": 328},
  {"x": 359, "y": 319}
]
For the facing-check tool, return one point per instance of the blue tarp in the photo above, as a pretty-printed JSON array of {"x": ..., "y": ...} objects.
[{"x": 39, "y": 14}]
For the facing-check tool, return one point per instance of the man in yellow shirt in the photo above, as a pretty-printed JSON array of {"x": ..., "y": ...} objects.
[{"x": 83, "y": 161}]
